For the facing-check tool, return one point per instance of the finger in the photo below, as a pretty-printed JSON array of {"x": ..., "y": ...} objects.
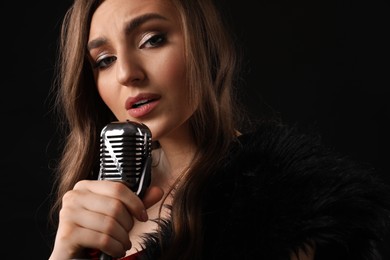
[
  {"x": 79, "y": 200},
  {"x": 97, "y": 222},
  {"x": 73, "y": 239},
  {"x": 118, "y": 191},
  {"x": 153, "y": 195}
]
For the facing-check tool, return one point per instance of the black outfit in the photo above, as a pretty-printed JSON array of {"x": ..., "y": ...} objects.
[{"x": 278, "y": 190}]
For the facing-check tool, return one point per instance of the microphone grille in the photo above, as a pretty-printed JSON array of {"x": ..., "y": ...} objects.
[{"x": 125, "y": 149}]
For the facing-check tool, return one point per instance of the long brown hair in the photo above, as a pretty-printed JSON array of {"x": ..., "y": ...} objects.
[{"x": 211, "y": 67}]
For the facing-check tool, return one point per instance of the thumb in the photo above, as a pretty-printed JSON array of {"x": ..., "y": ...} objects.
[{"x": 152, "y": 195}]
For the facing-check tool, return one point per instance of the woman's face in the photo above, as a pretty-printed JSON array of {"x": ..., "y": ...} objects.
[{"x": 136, "y": 49}]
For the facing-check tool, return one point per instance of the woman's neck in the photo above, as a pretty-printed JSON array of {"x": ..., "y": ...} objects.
[
  {"x": 175, "y": 154},
  {"x": 169, "y": 164}
]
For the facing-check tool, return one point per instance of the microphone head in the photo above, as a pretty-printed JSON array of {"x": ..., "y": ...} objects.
[{"x": 125, "y": 154}]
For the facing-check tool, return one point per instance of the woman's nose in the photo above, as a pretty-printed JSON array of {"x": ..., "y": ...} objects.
[{"x": 129, "y": 70}]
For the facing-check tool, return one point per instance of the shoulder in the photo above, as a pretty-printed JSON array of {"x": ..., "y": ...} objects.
[
  {"x": 290, "y": 190},
  {"x": 283, "y": 156}
]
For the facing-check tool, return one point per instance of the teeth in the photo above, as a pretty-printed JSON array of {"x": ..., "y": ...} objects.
[{"x": 140, "y": 103}]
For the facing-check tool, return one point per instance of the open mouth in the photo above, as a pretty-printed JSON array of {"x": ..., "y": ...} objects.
[{"x": 141, "y": 103}]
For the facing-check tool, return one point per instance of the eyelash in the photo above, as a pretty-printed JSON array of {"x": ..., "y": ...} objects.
[{"x": 155, "y": 41}]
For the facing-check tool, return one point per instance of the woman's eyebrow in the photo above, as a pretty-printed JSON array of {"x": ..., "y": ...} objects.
[
  {"x": 131, "y": 26},
  {"x": 138, "y": 21}
]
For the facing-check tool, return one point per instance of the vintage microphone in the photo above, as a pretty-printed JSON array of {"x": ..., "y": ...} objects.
[{"x": 125, "y": 156}]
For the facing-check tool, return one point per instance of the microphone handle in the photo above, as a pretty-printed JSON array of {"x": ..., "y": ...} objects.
[{"x": 104, "y": 256}]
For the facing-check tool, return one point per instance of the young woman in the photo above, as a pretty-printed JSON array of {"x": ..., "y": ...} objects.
[{"x": 217, "y": 191}]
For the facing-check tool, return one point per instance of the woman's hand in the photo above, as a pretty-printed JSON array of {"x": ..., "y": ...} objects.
[{"x": 99, "y": 214}]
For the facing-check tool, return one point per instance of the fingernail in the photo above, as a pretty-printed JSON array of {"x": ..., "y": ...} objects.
[{"x": 144, "y": 216}]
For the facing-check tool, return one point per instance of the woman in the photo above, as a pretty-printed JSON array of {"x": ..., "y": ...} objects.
[{"x": 215, "y": 193}]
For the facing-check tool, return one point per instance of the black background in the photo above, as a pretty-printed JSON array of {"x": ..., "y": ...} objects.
[{"x": 318, "y": 64}]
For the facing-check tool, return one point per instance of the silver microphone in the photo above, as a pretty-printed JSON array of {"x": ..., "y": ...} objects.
[{"x": 125, "y": 156}]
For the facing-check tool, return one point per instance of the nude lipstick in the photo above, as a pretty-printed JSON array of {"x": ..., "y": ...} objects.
[{"x": 142, "y": 104}]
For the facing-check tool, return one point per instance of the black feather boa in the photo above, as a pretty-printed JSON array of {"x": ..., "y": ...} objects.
[{"x": 280, "y": 190}]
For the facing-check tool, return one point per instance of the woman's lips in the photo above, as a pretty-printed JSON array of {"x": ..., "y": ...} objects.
[{"x": 141, "y": 104}]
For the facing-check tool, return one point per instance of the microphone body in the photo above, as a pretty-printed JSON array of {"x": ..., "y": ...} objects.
[{"x": 125, "y": 156}]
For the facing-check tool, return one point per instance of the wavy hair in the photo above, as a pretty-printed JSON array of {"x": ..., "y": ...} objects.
[{"x": 212, "y": 68}]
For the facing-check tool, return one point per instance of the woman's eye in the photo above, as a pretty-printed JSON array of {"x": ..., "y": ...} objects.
[
  {"x": 153, "y": 41},
  {"x": 104, "y": 62}
]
